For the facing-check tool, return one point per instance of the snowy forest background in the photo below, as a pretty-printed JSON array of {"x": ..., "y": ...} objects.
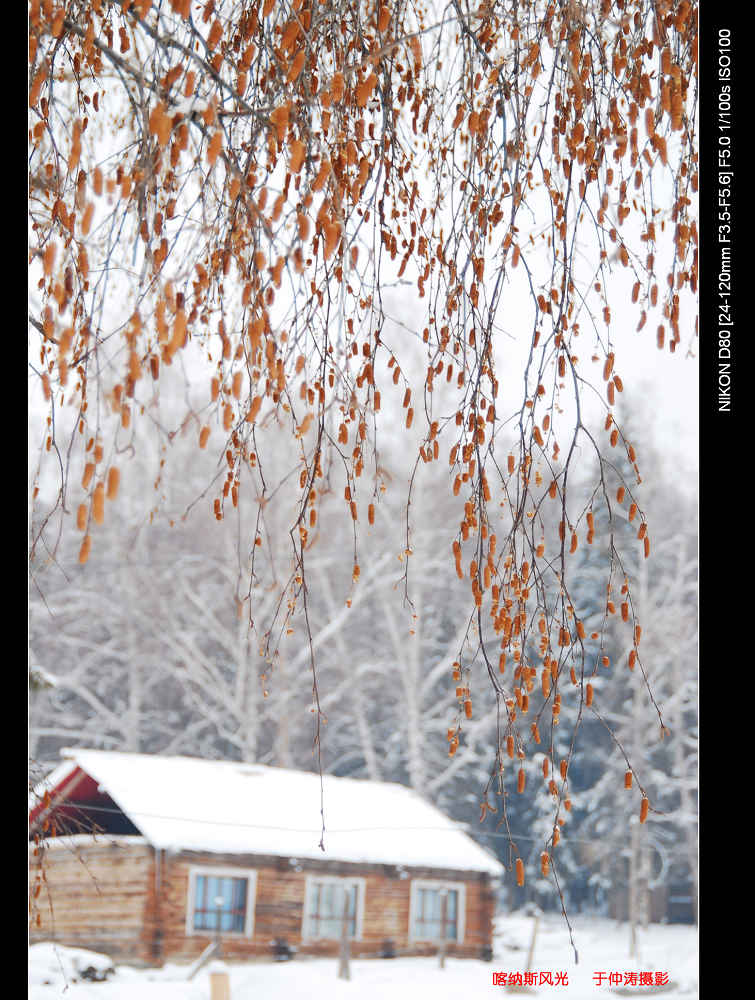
[{"x": 147, "y": 648}]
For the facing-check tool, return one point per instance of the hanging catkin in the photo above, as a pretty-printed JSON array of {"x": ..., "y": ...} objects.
[
  {"x": 98, "y": 503},
  {"x": 519, "y": 871}
]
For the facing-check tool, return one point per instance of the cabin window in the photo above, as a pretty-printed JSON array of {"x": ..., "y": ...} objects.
[
  {"x": 326, "y": 900},
  {"x": 221, "y": 901},
  {"x": 432, "y": 919}
]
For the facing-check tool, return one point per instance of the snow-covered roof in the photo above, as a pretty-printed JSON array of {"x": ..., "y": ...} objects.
[{"x": 185, "y": 803}]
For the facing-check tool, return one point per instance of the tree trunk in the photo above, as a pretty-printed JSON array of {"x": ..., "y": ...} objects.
[
  {"x": 344, "y": 972},
  {"x": 443, "y": 918}
]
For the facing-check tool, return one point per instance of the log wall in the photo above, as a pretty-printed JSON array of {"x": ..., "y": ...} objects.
[
  {"x": 97, "y": 895},
  {"x": 279, "y": 907},
  {"x": 130, "y": 902}
]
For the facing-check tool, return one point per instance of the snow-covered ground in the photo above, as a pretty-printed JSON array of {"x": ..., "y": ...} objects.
[{"x": 603, "y": 946}]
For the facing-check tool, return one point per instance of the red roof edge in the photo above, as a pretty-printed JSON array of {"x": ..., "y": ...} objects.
[{"x": 54, "y": 795}]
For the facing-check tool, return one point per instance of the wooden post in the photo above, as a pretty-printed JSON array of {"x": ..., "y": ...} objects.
[
  {"x": 644, "y": 882},
  {"x": 531, "y": 953},
  {"x": 219, "y": 905},
  {"x": 530, "y": 958},
  {"x": 343, "y": 963},
  {"x": 633, "y": 889},
  {"x": 443, "y": 918},
  {"x": 203, "y": 959},
  {"x": 220, "y": 986}
]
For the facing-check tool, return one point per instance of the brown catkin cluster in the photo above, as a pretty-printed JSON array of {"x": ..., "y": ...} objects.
[
  {"x": 85, "y": 549},
  {"x": 307, "y": 102}
]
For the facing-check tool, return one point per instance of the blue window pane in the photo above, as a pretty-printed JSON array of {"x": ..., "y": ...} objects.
[
  {"x": 325, "y": 910},
  {"x": 428, "y": 920},
  {"x": 220, "y": 904}
]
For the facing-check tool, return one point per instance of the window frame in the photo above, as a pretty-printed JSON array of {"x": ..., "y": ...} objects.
[
  {"x": 339, "y": 880},
  {"x": 250, "y": 874},
  {"x": 438, "y": 884}
]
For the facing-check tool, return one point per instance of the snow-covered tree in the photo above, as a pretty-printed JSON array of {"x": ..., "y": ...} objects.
[{"x": 293, "y": 234}]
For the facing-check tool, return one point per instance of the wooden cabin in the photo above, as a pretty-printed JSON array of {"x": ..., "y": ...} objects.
[{"x": 262, "y": 860}]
